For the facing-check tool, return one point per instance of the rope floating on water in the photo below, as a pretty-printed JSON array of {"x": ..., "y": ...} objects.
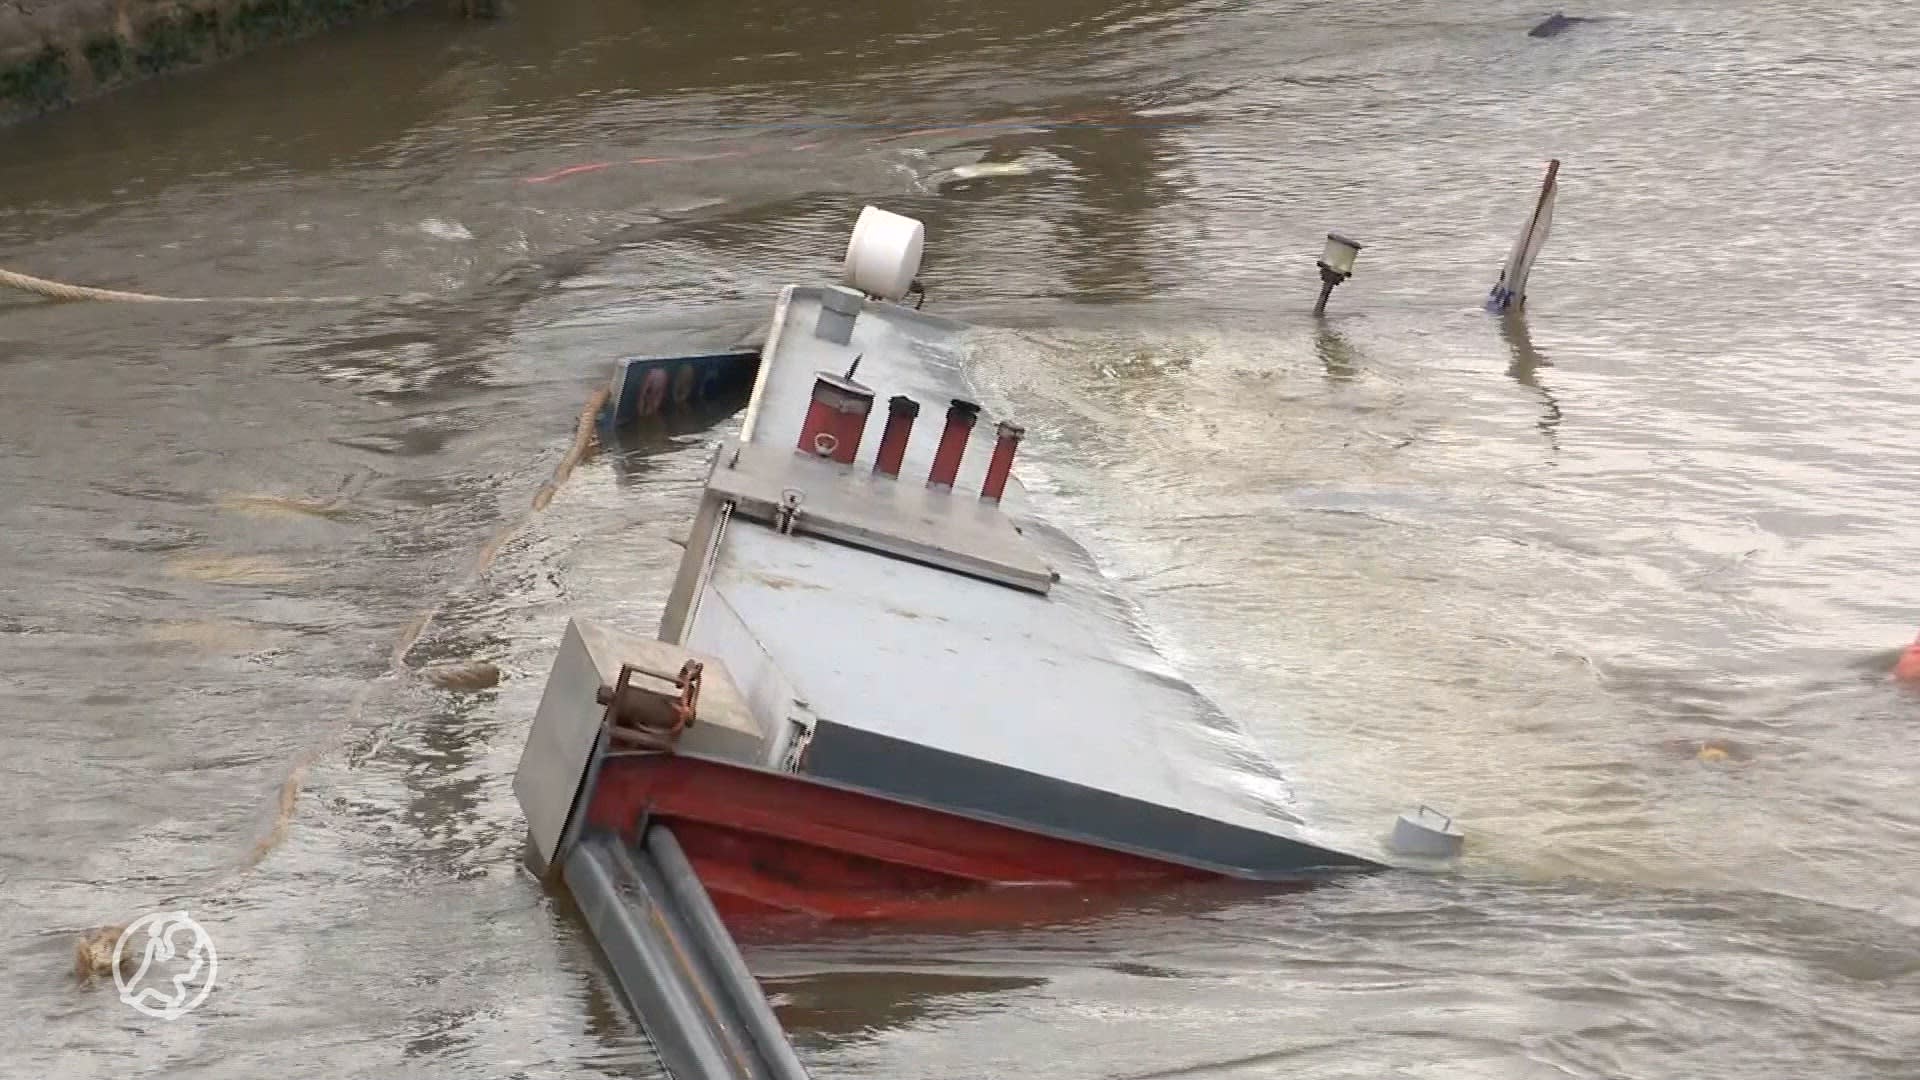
[
  {"x": 60, "y": 290},
  {"x": 93, "y": 949},
  {"x": 55, "y": 290},
  {"x": 583, "y": 437}
]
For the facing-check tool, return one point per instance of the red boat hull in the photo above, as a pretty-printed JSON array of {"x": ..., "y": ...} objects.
[{"x": 768, "y": 844}]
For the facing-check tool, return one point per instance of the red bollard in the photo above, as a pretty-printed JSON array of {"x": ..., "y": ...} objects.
[
  {"x": 1002, "y": 464},
  {"x": 836, "y": 417},
  {"x": 953, "y": 443},
  {"x": 901, "y": 412}
]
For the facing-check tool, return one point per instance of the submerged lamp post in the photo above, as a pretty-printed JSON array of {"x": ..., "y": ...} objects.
[{"x": 1336, "y": 266}]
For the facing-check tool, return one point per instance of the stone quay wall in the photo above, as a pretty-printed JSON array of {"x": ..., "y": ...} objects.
[{"x": 56, "y": 52}]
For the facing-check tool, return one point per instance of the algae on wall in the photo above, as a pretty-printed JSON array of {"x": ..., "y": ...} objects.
[{"x": 54, "y": 52}]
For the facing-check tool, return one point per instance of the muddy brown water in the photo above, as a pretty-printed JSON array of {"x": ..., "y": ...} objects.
[{"x": 1524, "y": 574}]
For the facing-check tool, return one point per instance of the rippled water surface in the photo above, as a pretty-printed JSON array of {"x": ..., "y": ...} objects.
[{"x": 1521, "y": 571}]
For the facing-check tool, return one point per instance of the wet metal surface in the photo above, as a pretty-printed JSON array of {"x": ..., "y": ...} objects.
[
  {"x": 906, "y": 654},
  {"x": 916, "y": 354},
  {"x": 950, "y": 640},
  {"x": 1525, "y": 574},
  {"x": 675, "y": 962},
  {"x": 899, "y": 517}
]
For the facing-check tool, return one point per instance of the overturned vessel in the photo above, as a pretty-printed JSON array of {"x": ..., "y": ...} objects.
[{"x": 882, "y": 687}]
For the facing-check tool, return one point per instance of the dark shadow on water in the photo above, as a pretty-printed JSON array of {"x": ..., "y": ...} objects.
[
  {"x": 1109, "y": 242},
  {"x": 1336, "y": 354},
  {"x": 836, "y": 1008},
  {"x": 1525, "y": 368}
]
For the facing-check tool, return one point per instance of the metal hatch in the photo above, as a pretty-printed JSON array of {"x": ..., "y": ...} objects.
[{"x": 892, "y": 516}]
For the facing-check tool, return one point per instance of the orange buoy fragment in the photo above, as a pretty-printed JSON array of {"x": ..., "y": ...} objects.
[{"x": 1907, "y": 668}]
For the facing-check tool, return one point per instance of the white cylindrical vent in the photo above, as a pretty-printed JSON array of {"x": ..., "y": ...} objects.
[{"x": 883, "y": 255}]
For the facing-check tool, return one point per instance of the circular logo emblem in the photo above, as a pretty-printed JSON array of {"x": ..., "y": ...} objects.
[{"x": 176, "y": 964}]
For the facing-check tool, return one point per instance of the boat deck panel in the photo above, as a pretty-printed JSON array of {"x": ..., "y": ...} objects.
[
  {"x": 973, "y": 668},
  {"x": 885, "y": 514},
  {"x": 1066, "y": 685},
  {"x": 901, "y": 351}
]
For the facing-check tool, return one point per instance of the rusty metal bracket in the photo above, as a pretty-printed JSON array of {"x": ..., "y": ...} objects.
[{"x": 649, "y": 718}]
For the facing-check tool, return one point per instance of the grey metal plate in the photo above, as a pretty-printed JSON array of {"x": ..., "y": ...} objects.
[
  {"x": 912, "y": 770},
  {"x": 898, "y": 516},
  {"x": 901, "y": 352},
  {"x": 1065, "y": 685},
  {"x": 566, "y": 726},
  {"x": 560, "y": 743},
  {"x": 997, "y": 674}
]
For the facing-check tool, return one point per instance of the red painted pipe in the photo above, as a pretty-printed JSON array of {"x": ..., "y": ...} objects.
[
  {"x": 953, "y": 443},
  {"x": 835, "y": 418},
  {"x": 901, "y": 412},
  {"x": 1002, "y": 463}
]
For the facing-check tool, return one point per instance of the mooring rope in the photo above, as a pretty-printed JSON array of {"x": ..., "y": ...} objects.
[
  {"x": 583, "y": 437},
  {"x": 60, "y": 290},
  {"x": 93, "y": 949}
]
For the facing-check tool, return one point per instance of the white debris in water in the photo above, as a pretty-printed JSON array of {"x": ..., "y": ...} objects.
[
  {"x": 914, "y": 180},
  {"x": 445, "y": 230},
  {"x": 1026, "y": 165},
  {"x": 990, "y": 168}
]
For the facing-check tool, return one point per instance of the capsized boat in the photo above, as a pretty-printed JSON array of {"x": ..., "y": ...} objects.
[{"x": 882, "y": 688}]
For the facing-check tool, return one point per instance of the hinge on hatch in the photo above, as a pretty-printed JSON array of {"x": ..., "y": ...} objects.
[
  {"x": 798, "y": 736},
  {"x": 788, "y": 509}
]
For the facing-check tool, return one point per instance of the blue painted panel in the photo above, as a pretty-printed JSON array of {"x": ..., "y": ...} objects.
[{"x": 650, "y": 385}]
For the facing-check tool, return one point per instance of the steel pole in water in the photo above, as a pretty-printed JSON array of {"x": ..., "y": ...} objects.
[
  {"x": 730, "y": 967},
  {"x": 1327, "y": 282}
]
